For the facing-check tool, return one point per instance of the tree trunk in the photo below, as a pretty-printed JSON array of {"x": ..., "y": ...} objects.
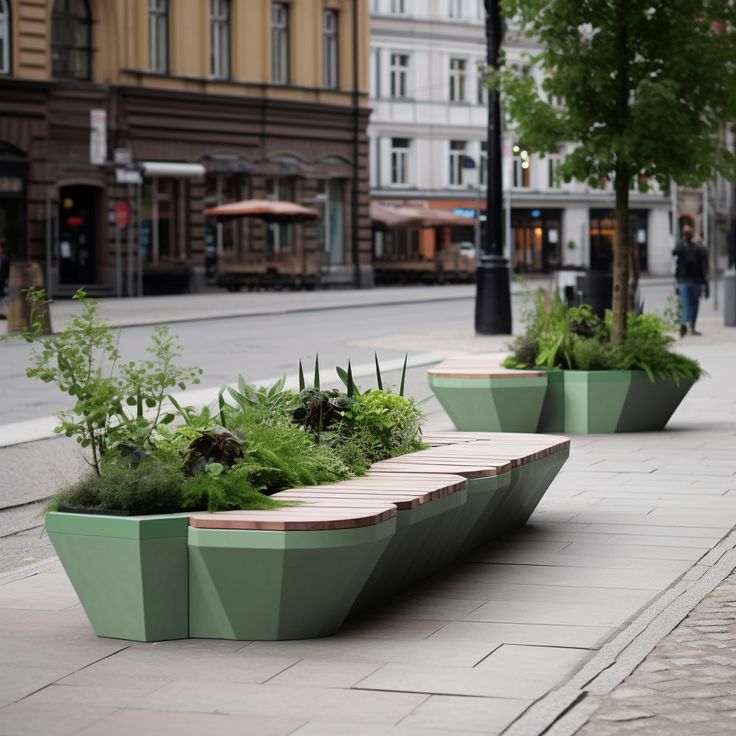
[{"x": 622, "y": 256}]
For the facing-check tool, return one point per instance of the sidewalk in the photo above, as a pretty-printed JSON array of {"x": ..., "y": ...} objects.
[{"x": 631, "y": 521}]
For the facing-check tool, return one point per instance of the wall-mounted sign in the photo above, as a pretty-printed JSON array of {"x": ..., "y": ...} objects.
[
  {"x": 98, "y": 136},
  {"x": 122, "y": 214},
  {"x": 464, "y": 212}
]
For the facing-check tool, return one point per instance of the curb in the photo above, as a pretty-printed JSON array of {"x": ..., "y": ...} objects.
[{"x": 563, "y": 711}]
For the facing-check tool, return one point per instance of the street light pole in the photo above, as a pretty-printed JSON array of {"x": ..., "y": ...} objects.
[{"x": 493, "y": 295}]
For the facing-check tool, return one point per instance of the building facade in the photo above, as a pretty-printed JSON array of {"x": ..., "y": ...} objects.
[
  {"x": 428, "y": 145},
  {"x": 122, "y": 120}
]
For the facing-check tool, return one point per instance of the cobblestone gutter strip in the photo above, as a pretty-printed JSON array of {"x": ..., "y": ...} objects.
[{"x": 563, "y": 711}]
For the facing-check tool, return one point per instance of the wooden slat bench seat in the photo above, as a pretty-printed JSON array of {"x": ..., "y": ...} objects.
[{"x": 299, "y": 571}]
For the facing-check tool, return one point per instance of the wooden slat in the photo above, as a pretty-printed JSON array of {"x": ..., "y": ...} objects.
[
  {"x": 295, "y": 518},
  {"x": 481, "y": 365}
]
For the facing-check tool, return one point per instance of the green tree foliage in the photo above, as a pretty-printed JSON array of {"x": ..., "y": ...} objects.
[{"x": 643, "y": 86}]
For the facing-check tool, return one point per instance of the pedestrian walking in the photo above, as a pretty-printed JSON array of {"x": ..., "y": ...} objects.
[
  {"x": 4, "y": 273},
  {"x": 691, "y": 275}
]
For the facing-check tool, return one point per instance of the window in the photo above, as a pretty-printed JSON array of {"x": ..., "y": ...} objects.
[
  {"x": 4, "y": 37},
  {"x": 220, "y": 38},
  {"x": 330, "y": 60},
  {"x": 457, "y": 80},
  {"x": 483, "y": 171},
  {"x": 158, "y": 36},
  {"x": 553, "y": 175},
  {"x": 457, "y": 158},
  {"x": 71, "y": 40},
  {"x": 160, "y": 224},
  {"x": 398, "y": 7},
  {"x": 280, "y": 236},
  {"x": 376, "y": 73},
  {"x": 482, "y": 91},
  {"x": 455, "y": 9},
  {"x": 522, "y": 167},
  {"x": 280, "y": 43},
  {"x": 400, "y": 148},
  {"x": 399, "y": 73}
]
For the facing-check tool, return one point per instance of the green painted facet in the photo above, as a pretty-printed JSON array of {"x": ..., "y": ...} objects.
[
  {"x": 650, "y": 405},
  {"x": 407, "y": 557},
  {"x": 552, "y": 418},
  {"x": 491, "y": 404},
  {"x": 485, "y": 499},
  {"x": 130, "y": 575},
  {"x": 268, "y": 585},
  {"x": 593, "y": 400}
]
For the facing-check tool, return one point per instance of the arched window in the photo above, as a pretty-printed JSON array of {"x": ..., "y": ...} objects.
[
  {"x": 4, "y": 37},
  {"x": 71, "y": 40},
  {"x": 220, "y": 38}
]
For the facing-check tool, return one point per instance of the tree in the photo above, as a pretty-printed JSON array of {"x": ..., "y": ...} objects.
[{"x": 644, "y": 87}]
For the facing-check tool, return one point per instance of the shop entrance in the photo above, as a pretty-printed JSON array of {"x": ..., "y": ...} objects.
[
  {"x": 78, "y": 233},
  {"x": 603, "y": 238},
  {"x": 536, "y": 235},
  {"x": 13, "y": 178}
]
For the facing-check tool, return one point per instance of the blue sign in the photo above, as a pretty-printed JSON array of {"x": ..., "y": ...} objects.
[
  {"x": 536, "y": 213},
  {"x": 464, "y": 212},
  {"x": 468, "y": 163}
]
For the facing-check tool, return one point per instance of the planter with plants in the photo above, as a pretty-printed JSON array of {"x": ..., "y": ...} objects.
[
  {"x": 591, "y": 385},
  {"x": 121, "y": 531}
]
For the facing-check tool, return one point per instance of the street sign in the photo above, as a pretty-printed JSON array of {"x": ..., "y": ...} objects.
[
  {"x": 97, "y": 136},
  {"x": 128, "y": 176},
  {"x": 122, "y": 156},
  {"x": 122, "y": 214}
]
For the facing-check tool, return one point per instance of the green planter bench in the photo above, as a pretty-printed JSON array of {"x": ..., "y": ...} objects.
[
  {"x": 478, "y": 394},
  {"x": 299, "y": 571}
]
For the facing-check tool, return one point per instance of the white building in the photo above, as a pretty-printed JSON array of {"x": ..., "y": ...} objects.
[{"x": 429, "y": 125}]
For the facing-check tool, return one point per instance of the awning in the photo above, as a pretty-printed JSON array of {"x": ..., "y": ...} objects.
[
  {"x": 228, "y": 163},
  {"x": 265, "y": 209},
  {"x": 389, "y": 217},
  {"x": 171, "y": 169}
]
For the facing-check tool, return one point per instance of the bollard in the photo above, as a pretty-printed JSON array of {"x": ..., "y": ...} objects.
[{"x": 23, "y": 275}]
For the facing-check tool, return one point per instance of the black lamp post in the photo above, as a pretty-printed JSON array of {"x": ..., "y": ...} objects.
[{"x": 493, "y": 296}]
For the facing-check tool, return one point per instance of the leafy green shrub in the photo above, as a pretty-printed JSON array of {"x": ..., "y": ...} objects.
[
  {"x": 590, "y": 354},
  {"x": 150, "y": 488},
  {"x": 224, "y": 491},
  {"x": 574, "y": 338},
  {"x": 279, "y": 456},
  {"x": 391, "y": 423},
  {"x": 646, "y": 347},
  {"x": 111, "y": 410}
]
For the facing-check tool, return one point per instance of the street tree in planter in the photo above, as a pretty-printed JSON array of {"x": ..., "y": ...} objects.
[{"x": 643, "y": 86}]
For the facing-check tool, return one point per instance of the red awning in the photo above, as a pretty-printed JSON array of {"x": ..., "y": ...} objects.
[{"x": 266, "y": 209}]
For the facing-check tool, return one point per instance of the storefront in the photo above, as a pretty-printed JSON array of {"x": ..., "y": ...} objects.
[
  {"x": 603, "y": 238},
  {"x": 13, "y": 188},
  {"x": 536, "y": 236}
]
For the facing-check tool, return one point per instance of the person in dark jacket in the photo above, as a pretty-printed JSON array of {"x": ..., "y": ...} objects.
[
  {"x": 4, "y": 271},
  {"x": 691, "y": 275}
]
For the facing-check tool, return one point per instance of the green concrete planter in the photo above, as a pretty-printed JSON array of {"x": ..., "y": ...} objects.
[
  {"x": 130, "y": 572},
  {"x": 505, "y": 404},
  {"x": 619, "y": 401},
  {"x": 408, "y": 557},
  {"x": 270, "y": 585},
  {"x": 552, "y": 417},
  {"x": 577, "y": 402}
]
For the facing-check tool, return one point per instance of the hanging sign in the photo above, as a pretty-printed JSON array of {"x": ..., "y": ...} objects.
[
  {"x": 122, "y": 214},
  {"x": 97, "y": 136}
]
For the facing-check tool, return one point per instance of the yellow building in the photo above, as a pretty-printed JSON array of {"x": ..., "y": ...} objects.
[{"x": 152, "y": 110}]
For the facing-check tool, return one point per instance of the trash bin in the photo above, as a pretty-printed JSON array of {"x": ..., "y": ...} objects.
[
  {"x": 595, "y": 288},
  {"x": 729, "y": 306},
  {"x": 23, "y": 275},
  {"x": 565, "y": 281}
]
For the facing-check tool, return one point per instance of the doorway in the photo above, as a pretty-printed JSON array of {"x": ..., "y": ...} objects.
[
  {"x": 536, "y": 235},
  {"x": 78, "y": 234}
]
